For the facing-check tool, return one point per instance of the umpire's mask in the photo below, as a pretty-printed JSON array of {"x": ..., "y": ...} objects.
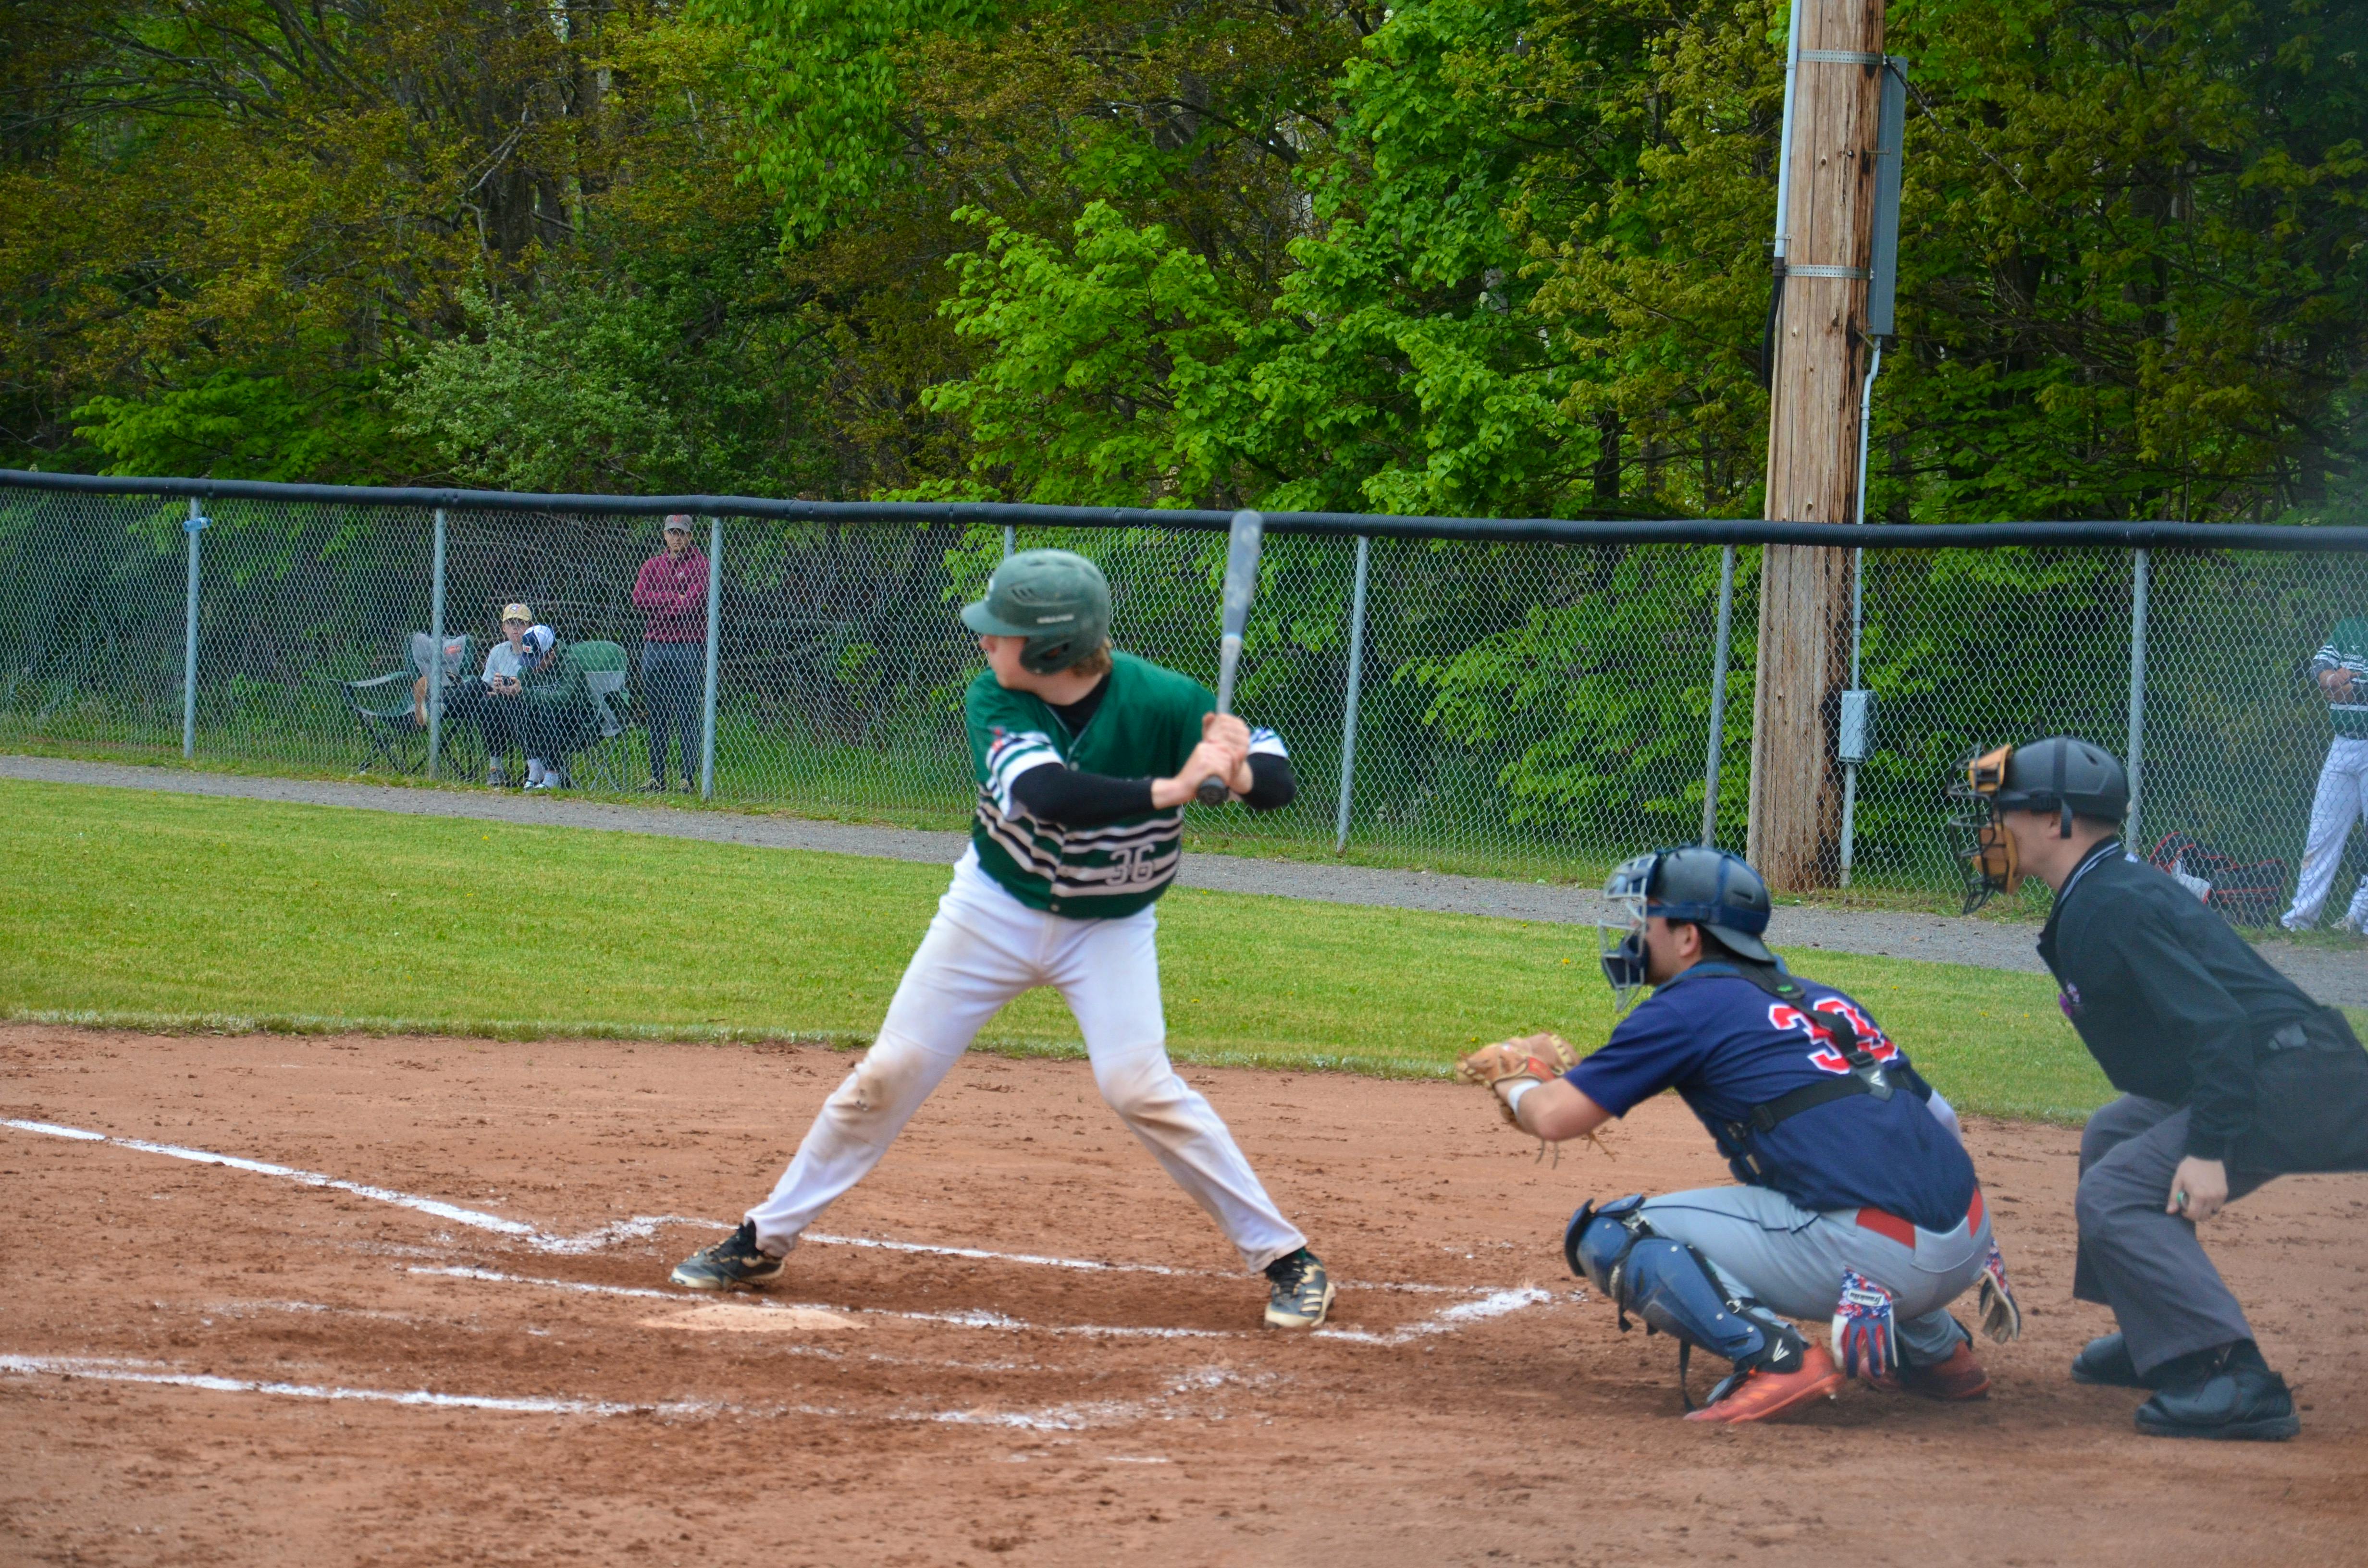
[
  {"x": 2062, "y": 774},
  {"x": 1691, "y": 882}
]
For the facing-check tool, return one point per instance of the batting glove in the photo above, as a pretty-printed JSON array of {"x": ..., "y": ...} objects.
[{"x": 1866, "y": 1341}]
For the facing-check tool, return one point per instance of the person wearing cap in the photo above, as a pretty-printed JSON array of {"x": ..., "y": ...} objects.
[
  {"x": 1084, "y": 757},
  {"x": 1858, "y": 1206},
  {"x": 671, "y": 594},
  {"x": 494, "y": 703},
  {"x": 548, "y": 708},
  {"x": 2229, "y": 1076}
]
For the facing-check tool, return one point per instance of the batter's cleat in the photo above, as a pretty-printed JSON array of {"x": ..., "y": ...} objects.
[
  {"x": 1763, "y": 1395},
  {"x": 735, "y": 1260},
  {"x": 1959, "y": 1377},
  {"x": 2242, "y": 1400},
  {"x": 1301, "y": 1291},
  {"x": 2105, "y": 1362}
]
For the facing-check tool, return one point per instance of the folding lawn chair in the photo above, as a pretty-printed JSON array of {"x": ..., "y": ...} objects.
[
  {"x": 382, "y": 705},
  {"x": 603, "y": 666}
]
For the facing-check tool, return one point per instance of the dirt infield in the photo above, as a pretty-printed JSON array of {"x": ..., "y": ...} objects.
[{"x": 426, "y": 1322}]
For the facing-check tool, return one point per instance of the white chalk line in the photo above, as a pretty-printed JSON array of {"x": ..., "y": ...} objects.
[
  {"x": 641, "y": 1225},
  {"x": 1049, "y": 1418},
  {"x": 122, "y": 1373}
]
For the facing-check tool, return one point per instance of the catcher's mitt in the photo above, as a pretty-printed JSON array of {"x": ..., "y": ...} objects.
[{"x": 1532, "y": 1059}]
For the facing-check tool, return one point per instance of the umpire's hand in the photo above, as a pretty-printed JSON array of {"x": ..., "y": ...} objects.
[{"x": 2198, "y": 1188}]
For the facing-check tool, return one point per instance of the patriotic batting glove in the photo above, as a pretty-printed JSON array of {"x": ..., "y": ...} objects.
[
  {"x": 1866, "y": 1341},
  {"x": 2001, "y": 1318}
]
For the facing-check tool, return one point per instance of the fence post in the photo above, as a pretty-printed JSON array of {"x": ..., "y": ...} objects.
[
  {"x": 714, "y": 625},
  {"x": 1356, "y": 681},
  {"x": 1718, "y": 697},
  {"x": 435, "y": 650},
  {"x": 1010, "y": 539},
  {"x": 2139, "y": 574},
  {"x": 191, "y": 528}
]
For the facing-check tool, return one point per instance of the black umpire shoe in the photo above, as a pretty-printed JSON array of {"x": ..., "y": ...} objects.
[
  {"x": 2241, "y": 1401},
  {"x": 2106, "y": 1363},
  {"x": 735, "y": 1260}
]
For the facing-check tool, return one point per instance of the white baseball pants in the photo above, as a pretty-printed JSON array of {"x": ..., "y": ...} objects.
[
  {"x": 984, "y": 949},
  {"x": 2342, "y": 794}
]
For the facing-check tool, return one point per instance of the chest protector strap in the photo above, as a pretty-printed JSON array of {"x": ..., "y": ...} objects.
[{"x": 1866, "y": 1076}]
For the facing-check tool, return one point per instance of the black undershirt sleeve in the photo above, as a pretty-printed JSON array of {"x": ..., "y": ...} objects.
[
  {"x": 1074, "y": 798},
  {"x": 1077, "y": 799},
  {"x": 1273, "y": 784}
]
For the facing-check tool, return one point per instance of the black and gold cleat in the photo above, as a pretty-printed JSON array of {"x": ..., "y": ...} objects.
[
  {"x": 1301, "y": 1291},
  {"x": 737, "y": 1260}
]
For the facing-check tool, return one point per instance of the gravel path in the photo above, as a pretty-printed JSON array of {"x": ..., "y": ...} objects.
[{"x": 2332, "y": 976}]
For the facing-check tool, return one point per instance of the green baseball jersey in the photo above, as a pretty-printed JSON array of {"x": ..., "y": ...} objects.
[
  {"x": 2347, "y": 650},
  {"x": 1148, "y": 722}
]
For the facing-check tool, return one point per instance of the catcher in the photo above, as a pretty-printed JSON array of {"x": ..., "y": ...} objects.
[{"x": 1858, "y": 1201}]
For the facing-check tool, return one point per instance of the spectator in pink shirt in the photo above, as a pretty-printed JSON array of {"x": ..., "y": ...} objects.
[{"x": 671, "y": 594}]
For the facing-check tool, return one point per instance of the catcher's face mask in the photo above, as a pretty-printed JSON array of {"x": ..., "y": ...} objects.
[
  {"x": 1983, "y": 848},
  {"x": 1622, "y": 942}
]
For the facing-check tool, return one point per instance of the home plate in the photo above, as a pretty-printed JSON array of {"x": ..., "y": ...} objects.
[{"x": 728, "y": 1318}]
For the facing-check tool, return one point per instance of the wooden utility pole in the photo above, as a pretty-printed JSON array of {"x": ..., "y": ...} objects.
[{"x": 1821, "y": 354}]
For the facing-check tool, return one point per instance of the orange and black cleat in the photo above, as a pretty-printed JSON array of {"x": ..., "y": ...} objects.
[{"x": 1763, "y": 1395}]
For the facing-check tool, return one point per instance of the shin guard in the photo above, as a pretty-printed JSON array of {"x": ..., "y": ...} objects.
[{"x": 1672, "y": 1288}]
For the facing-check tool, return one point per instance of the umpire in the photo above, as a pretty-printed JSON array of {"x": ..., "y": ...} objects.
[{"x": 2229, "y": 1076}]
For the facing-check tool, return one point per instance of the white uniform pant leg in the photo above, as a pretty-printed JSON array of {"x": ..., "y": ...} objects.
[
  {"x": 1108, "y": 972},
  {"x": 973, "y": 960},
  {"x": 1790, "y": 1259},
  {"x": 2333, "y": 809}
]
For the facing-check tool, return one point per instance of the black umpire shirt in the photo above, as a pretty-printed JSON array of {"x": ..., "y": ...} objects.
[{"x": 2172, "y": 1002}]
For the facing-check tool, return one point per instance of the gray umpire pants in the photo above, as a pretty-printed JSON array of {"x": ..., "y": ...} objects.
[
  {"x": 1790, "y": 1259},
  {"x": 2147, "y": 1265}
]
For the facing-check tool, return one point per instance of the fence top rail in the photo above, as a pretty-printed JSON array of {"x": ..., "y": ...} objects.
[{"x": 1552, "y": 530}]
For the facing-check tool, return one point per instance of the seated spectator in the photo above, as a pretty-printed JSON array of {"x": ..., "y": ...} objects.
[
  {"x": 555, "y": 709},
  {"x": 493, "y": 700}
]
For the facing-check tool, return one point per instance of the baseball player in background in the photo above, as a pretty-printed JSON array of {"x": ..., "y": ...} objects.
[
  {"x": 2341, "y": 670},
  {"x": 1858, "y": 1204},
  {"x": 1084, "y": 757}
]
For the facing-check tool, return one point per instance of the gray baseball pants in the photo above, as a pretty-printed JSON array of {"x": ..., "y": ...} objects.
[
  {"x": 2147, "y": 1265},
  {"x": 1790, "y": 1259}
]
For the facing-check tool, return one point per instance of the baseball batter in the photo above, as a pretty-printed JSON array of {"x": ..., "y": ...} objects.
[
  {"x": 1084, "y": 757},
  {"x": 1858, "y": 1202}
]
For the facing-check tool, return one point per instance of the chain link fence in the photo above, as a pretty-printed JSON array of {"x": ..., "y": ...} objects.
[{"x": 1523, "y": 708}]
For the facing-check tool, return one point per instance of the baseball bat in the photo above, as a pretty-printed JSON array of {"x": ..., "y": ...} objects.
[{"x": 1241, "y": 586}]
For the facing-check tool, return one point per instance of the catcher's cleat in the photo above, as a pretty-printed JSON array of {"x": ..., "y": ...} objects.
[
  {"x": 1301, "y": 1291},
  {"x": 1763, "y": 1395},
  {"x": 1959, "y": 1377},
  {"x": 735, "y": 1260}
]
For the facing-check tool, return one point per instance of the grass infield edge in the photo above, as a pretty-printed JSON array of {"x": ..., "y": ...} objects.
[{"x": 526, "y": 1030}]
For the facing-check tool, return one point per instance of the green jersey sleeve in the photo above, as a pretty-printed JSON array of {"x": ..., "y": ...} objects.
[{"x": 1011, "y": 732}]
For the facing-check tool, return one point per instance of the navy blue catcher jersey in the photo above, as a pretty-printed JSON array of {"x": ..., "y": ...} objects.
[{"x": 1725, "y": 1046}]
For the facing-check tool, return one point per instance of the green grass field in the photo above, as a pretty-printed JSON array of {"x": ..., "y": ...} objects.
[{"x": 172, "y": 911}]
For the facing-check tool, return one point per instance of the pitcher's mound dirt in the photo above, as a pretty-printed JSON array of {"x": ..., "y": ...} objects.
[{"x": 460, "y": 1346}]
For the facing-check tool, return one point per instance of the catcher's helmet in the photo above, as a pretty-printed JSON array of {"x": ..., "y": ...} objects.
[
  {"x": 1711, "y": 888},
  {"x": 1056, "y": 598}
]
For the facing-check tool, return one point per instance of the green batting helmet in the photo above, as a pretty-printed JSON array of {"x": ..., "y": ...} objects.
[{"x": 1057, "y": 599}]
